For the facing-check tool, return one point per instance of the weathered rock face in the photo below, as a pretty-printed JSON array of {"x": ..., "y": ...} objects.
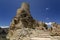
[
  {"x": 28, "y": 33},
  {"x": 23, "y": 19},
  {"x": 24, "y": 27},
  {"x": 55, "y": 29},
  {"x": 3, "y": 33}
]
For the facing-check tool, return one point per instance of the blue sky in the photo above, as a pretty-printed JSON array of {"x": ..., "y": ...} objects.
[{"x": 41, "y": 10}]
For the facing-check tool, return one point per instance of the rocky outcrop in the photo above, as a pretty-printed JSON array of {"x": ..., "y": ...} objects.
[
  {"x": 22, "y": 20},
  {"x": 3, "y": 33},
  {"x": 55, "y": 29},
  {"x": 24, "y": 27},
  {"x": 3, "y": 30}
]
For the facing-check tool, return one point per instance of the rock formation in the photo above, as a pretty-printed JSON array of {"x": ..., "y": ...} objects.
[
  {"x": 24, "y": 27},
  {"x": 3, "y": 33},
  {"x": 23, "y": 19},
  {"x": 55, "y": 29}
]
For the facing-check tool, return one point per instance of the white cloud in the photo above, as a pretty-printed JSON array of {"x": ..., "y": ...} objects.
[
  {"x": 4, "y": 26},
  {"x": 49, "y": 23},
  {"x": 47, "y": 8}
]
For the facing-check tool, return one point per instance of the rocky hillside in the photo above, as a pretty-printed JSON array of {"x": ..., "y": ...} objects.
[
  {"x": 3, "y": 33},
  {"x": 24, "y": 27}
]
